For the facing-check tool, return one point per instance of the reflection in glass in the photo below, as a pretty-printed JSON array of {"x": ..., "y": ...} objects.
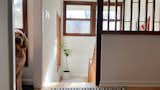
[
  {"x": 111, "y": 26},
  {"x": 78, "y": 11},
  {"x": 112, "y": 12},
  {"x": 18, "y": 14},
  {"x": 77, "y": 26}
]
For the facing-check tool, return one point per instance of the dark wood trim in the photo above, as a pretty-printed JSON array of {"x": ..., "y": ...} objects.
[
  {"x": 131, "y": 14},
  {"x": 153, "y": 18},
  {"x": 121, "y": 17},
  {"x": 64, "y": 17},
  {"x": 124, "y": 2},
  {"x": 98, "y": 47},
  {"x": 89, "y": 3},
  {"x": 58, "y": 42},
  {"x": 116, "y": 15},
  {"x": 146, "y": 17},
  {"x": 93, "y": 19},
  {"x": 108, "y": 15},
  {"x": 25, "y": 17},
  {"x": 139, "y": 9},
  {"x": 25, "y": 26},
  {"x": 79, "y": 3}
]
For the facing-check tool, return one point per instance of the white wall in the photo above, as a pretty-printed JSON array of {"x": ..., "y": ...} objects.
[
  {"x": 4, "y": 46},
  {"x": 37, "y": 43},
  {"x": 51, "y": 8},
  {"x": 42, "y": 42},
  {"x": 131, "y": 60},
  {"x": 81, "y": 52}
]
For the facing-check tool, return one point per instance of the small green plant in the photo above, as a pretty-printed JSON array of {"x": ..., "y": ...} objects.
[{"x": 67, "y": 51}]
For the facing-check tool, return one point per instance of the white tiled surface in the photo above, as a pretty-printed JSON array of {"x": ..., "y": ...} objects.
[
  {"x": 75, "y": 79},
  {"x": 70, "y": 85}
]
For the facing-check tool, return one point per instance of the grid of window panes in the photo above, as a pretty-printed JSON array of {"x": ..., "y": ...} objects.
[{"x": 78, "y": 19}]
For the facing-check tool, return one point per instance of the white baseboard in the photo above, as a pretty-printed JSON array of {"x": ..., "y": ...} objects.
[
  {"x": 130, "y": 83},
  {"x": 27, "y": 81}
]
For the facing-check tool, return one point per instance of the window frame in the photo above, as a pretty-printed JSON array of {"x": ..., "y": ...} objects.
[{"x": 92, "y": 18}]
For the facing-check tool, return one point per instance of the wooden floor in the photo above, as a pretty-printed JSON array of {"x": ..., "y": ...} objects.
[
  {"x": 143, "y": 88},
  {"x": 85, "y": 85},
  {"x": 129, "y": 88}
]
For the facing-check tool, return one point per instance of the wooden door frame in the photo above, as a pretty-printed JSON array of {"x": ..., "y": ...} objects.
[
  {"x": 12, "y": 77},
  {"x": 58, "y": 42},
  {"x": 99, "y": 31},
  {"x": 11, "y": 48}
]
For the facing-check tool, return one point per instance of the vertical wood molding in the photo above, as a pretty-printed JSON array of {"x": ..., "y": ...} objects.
[
  {"x": 12, "y": 82},
  {"x": 99, "y": 30}
]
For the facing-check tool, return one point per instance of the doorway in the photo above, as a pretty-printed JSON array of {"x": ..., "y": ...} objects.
[
  {"x": 53, "y": 65},
  {"x": 78, "y": 45}
]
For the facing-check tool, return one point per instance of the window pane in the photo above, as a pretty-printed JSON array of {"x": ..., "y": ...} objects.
[
  {"x": 105, "y": 25},
  {"x": 157, "y": 27},
  {"x": 112, "y": 12},
  {"x": 111, "y": 26},
  {"x": 78, "y": 11},
  {"x": 18, "y": 14},
  {"x": 77, "y": 26}
]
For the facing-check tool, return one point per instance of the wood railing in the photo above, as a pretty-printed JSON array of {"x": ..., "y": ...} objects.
[{"x": 138, "y": 16}]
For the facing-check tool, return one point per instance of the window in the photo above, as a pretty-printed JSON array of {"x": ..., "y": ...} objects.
[
  {"x": 20, "y": 15},
  {"x": 79, "y": 18}
]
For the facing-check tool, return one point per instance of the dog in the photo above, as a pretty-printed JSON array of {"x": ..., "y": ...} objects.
[{"x": 21, "y": 44}]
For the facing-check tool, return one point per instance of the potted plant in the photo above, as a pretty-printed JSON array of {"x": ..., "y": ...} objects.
[{"x": 67, "y": 53}]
